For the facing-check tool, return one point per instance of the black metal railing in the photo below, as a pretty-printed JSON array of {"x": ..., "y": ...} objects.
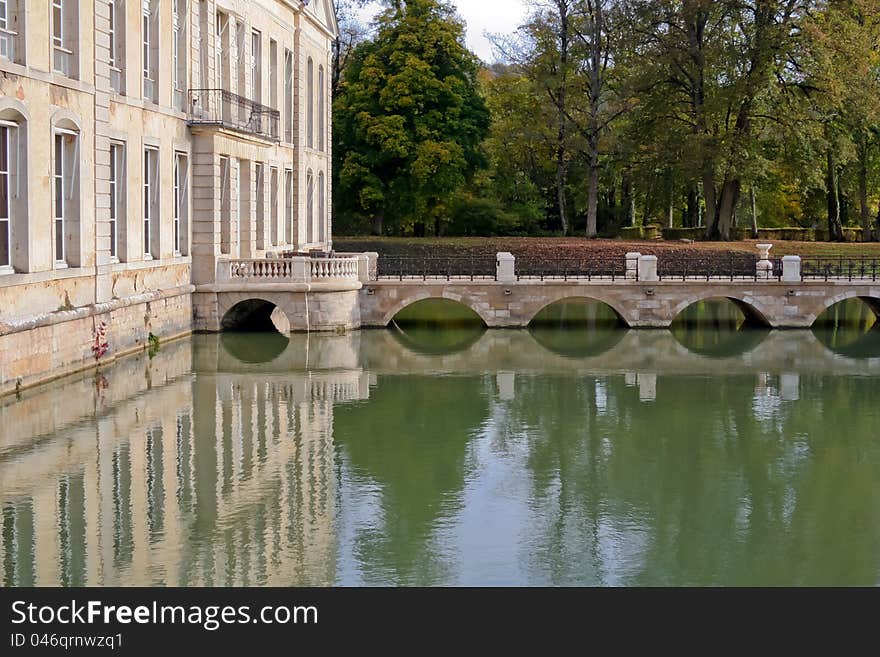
[
  {"x": 233, "y": 112},
  {"x": 451, "y": 268},
  {"x": 840, "y": 267},
  {"x": 732, "y": 266},
  {"x": 572, "y": 268}
]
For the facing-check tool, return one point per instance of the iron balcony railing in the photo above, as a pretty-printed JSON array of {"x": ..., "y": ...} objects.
[{"x": 225, "y": 109}]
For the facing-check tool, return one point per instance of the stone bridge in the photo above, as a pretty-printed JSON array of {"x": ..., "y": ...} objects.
[
  {"x": 638, "y": 304},
  {"x": 347, "y": 293}
]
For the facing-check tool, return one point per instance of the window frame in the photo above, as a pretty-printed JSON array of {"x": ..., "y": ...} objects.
[
  {"x": 289, "y": 237},
  {"x": 61, "y": 174},
  {"x": 181, "y": 201},
  {"x": 151, "y": 205},
  {"x": 117, "y": 197},
  {"x": 310, "y": 207},
  {"x": 288, "y": 95},
  {"x": 256, "y": 66},
  {"x": 7, "y": 127},
  {"x": 321, "y": 109},
  {"x": 310, "y": 99}
]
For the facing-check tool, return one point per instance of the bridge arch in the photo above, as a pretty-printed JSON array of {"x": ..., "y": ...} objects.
[
  {"x": 427, "y": 295},
  {"x": 253, "y": 314},
  {"x": 749, "y": 307},
  {"x": 566, "y": 295},
  {"x": 871, "y": 300}
]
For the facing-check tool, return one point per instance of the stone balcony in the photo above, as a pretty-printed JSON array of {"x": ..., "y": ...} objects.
[{"x": 223, "y": 109}]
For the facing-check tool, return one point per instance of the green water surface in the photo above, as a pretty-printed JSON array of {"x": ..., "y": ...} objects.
[{"x": 572, "y": 453}]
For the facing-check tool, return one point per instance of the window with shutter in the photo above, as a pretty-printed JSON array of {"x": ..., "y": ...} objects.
[{"x": 6, "y": 184}]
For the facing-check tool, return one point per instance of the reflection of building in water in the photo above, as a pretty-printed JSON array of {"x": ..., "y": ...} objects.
[{"x": 213, "y": 479}]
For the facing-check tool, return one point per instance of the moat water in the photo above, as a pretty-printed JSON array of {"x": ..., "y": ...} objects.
[{"x": 573, "y": 453}]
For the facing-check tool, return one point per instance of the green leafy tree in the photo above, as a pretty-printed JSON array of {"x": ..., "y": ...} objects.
[{"x": 409, "y": 121}]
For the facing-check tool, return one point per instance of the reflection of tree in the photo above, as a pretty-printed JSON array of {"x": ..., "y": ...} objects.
[
  {"x": 410, "y": 440},
  {"x": 656, "y": 494}
]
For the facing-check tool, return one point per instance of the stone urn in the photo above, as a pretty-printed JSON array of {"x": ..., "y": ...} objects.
[{"x": 764, "y": 266}]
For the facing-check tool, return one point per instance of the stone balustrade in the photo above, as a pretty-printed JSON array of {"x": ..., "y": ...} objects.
[
  {"x": 334, "y": 268},
  {"x": 291, "y": 270}
]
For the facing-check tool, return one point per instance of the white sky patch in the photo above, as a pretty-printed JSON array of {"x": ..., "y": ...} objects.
[{"x": 482, "y": 17}]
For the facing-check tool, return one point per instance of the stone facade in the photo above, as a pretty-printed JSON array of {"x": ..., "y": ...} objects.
[{"x": 144, "y": 142}]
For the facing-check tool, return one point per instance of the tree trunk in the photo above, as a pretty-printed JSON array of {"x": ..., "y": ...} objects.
[
  {"x": 754, "y": 213},
  {"x": 693, "y": 202},
  {"x": 726, "y": 209},
  {"x": 864, "y": 211},
  {"x": 628, "y": 201},
  {"x": 378, "y": 220},
  {"x": 835, "y": 230},
  {"x": 562, "y": 119},
  {"x": 711, "y": 205},
  {"x": 593, "y": 194}
]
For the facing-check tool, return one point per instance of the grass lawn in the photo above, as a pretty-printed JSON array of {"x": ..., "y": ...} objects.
[{"x": 562, "y": 246}]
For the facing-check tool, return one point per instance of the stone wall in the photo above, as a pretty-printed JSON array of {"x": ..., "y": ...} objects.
[
  {"x": 317, "y": 307},
  {"x": 60, "y": 343}
]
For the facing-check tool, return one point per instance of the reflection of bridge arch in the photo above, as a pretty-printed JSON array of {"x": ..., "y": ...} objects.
[
  {"x": 749, "y": 306},
  {"x": 865, "y": 346},
  {"x": 731, "y": 343},
  {"x": 247, "y": 348},
  {"x": 577, "y": 344},
  {"x": 580, "y": 299},
  {"x": 451, "y": 340}
]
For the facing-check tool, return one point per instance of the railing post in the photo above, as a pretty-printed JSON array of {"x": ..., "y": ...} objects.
[
  {"x": 648, "y": 269},
  {"x": 632, "y": 266},
  {"x": 791, "y": 269},
  {"x": 505, "y": 265}
]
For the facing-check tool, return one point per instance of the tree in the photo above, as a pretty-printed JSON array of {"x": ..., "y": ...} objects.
[
  {"x": 351, "y": 33},
  {"x": 712, "y": 73},
  {"x": 844, "y": 71},
  {"x": 409, "y": 119}
]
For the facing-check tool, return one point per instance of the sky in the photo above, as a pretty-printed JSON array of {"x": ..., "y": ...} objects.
[{"x": 482, "y": 16}]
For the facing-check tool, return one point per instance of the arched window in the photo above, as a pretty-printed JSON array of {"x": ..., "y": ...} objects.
[
  {"x": 66, "y": 231},
  {"x": 14, "y": 251},
  {"x": 310, "y": 99},
  {"x": 321, "y": 108},
  {"x": 310, "y": 207},
  {"x": 322, "y": 209}
]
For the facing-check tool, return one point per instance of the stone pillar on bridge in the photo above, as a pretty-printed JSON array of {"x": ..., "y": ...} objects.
[
  {"x": 632, "y": 266},
  {"x": 367, "y": 267},
  {"x": 301, "y": 269},
  {"x": 506, "y": 268},
  {"x": 648, "y": 269},
  {"x": 791, "y": 269}
]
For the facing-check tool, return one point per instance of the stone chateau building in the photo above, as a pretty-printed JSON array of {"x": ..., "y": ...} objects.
[{"x": 143, "y": 144}]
